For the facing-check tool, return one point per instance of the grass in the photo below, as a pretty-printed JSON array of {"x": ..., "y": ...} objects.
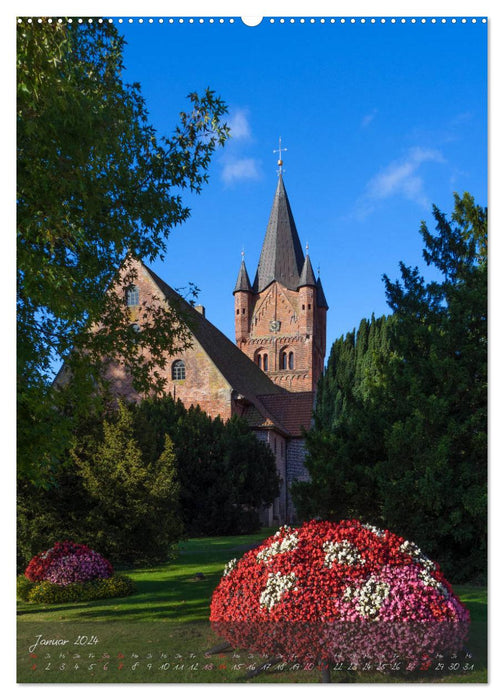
[
  {"x": 170, "y": 592},
  {"x": 162, "y": 634}
]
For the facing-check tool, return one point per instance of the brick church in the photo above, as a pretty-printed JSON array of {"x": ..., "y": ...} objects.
[{"x": 269, "y": 377}]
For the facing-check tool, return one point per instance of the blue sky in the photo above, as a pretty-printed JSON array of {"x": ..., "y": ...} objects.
[{"x": 380, "y": 120}]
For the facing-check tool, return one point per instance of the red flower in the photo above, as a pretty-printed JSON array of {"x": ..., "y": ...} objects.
[
  {"x": 41, "y": 564},
  {"x": 338, "y": 589}
]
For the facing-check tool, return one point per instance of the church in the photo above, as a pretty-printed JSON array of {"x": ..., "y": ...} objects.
[{"x": 269, "y": 375}]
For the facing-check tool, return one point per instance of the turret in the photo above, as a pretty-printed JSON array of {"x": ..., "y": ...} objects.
[
  {"x": 243, "y": 304},
  {"x": 307, "y": 298}
]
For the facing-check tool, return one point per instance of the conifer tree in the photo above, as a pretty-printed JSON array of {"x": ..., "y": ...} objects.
[
  {"x": 400, "y": 434},
  {"x": 136, "y": 518},
  {"x": 226, "y": 474},
  {"x": 347, "y": 438},
  {"x": 434, "y": 479}
]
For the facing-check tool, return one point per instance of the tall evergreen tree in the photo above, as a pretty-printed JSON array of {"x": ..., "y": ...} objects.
[
  {"x": 400, "y": 434},
  {"x": 347, "y": 438},
  {"x": 226, "y": 474},
  {"x": 434, "y": 479},
  {"x": 136, "y": 512}
]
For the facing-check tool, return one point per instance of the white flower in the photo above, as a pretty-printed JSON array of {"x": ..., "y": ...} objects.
[
  {"x": 230, "y": 566},
  {"x": 287, "y": 544},
  {"x": 276, "y": 585},
  {"x": 417, "y": 555},
  {"x": 375, "y": 530},
  {"x": 371, "y": 597},
  {"x": 349, "y": 594},
  {"x": 429, "y": 580},
  {"x": 343, "y": 552}
]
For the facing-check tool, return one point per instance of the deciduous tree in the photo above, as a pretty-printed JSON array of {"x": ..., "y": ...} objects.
[{"x": 95, "y": 183}]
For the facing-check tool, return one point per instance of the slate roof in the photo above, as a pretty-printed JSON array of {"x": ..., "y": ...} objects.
[
  {"x": 243, "y": 281},
  {"x": 243, "y": 375},
  {"x": 321, "y": 300},
  {"x": 281, "y": 257},
  {"x": 307, "y": 277}
]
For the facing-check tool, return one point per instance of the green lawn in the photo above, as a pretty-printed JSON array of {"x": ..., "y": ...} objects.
[{"x": 162, "y": 634}]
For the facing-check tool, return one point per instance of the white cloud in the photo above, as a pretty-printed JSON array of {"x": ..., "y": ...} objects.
[
  {"x": 240, "y": 169},
  {"x": 239, "y": 124},
  {"x": 399, "y": 178},
  {"x": 368, "y": 118}
]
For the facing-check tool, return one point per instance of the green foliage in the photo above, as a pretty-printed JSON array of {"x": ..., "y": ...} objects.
[
  {"x": 226, "y": 474},
  {"x": 117, "y": 586},
  {"x": 23, "y": 587},
  {"x": 60, "y": 509},
  {"x": 140, "y": 478},
  {"x": 434, "y": 480},
  {"x": 135, "y": 516},
  {"x": 346, "y": 440},
  {"x": 400, "y": 435},
  {"x": 95, "y": 183}
]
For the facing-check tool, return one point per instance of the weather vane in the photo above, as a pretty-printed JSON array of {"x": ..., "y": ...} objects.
[{"x": 279, "y": 151}]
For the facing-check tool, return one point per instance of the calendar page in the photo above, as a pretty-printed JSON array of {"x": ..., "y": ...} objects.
[{"x": 252, "y": 348}]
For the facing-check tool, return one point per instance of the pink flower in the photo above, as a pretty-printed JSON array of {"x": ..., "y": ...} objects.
[{"x": 338, "y": 590}]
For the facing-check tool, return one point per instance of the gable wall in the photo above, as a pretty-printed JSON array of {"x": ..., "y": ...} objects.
[
  {"x": 204, "y": 385},
  {"x": 297, "y": 333}
]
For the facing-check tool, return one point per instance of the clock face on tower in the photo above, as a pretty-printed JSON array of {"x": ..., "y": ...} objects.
[{"x": 274, "y": 326}]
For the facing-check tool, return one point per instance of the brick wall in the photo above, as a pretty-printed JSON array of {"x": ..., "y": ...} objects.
[
  {"x": 203, "y": 385},
  {"x": 300, "y": 334}
]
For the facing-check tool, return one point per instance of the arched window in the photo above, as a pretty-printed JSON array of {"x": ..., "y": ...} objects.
[
  {"x": 261, "y": 359},
  {"x": 283, "y": 360},
  {"x": 133, "y": 296},
  {"x": 291, "y": 360},
  {"x": 178, "y": 370}
]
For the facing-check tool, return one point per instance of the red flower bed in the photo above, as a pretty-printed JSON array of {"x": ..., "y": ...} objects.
[
  {"x": 68, "y": 562},
  {"x": 344, "y": 591}
]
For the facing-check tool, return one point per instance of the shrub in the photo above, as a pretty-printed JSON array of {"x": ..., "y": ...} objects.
[
  {"x": 345, "y": 592},
  {"x": 116, "y": 586},
  {"x": 23, "y": 587}
]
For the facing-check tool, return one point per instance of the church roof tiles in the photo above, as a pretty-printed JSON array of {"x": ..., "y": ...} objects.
[
  {"x": 294, "y": 410},
  {"x": 243, "y": 281},
  {"x": 307, "y": 277},
  {"x": 281, "y": 257},
  {"x": 266, "y": 404},
  {"x": 321, "y": 299}
]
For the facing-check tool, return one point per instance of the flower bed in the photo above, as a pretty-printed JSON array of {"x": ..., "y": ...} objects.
[
  {"x": 339, "y": 592},
  {"x": 68, "y": 562},
  {"x": 70, "y": 572}
]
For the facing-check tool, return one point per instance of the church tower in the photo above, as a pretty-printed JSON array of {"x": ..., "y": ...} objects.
[{"x": 280, "y": 319}]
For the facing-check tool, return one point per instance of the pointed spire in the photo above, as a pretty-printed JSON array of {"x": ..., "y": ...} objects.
[
  {"x": 307, "y": 277},
  {"x": 243, "y": 281},
  {"x": 282, "y": 257},
  {"x": 321, "y": 300}
]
